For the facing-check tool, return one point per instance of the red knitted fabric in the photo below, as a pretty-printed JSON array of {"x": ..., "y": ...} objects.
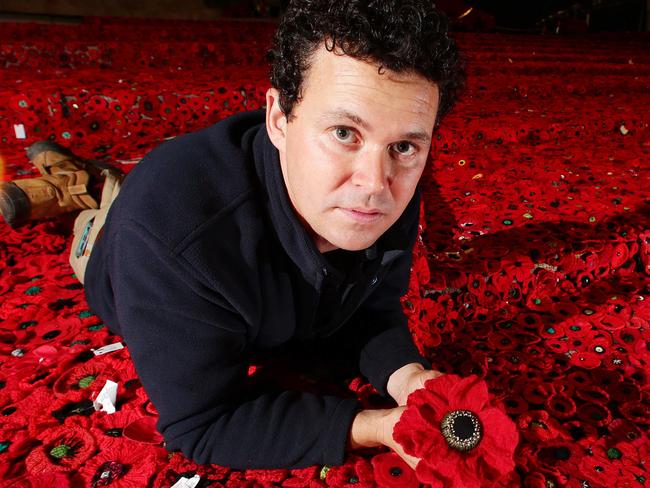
[{"x": 532, "y": 271}]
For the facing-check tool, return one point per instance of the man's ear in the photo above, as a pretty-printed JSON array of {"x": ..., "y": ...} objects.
[{"x": 276, "y": 121}]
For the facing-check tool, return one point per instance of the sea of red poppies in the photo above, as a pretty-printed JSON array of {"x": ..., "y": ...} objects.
[{"x": 532, "y": 274}]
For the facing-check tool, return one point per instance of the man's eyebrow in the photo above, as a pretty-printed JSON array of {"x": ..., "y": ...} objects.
[
  {"x": 346, "y": 114},
  {"x": 418, "y": 136}
]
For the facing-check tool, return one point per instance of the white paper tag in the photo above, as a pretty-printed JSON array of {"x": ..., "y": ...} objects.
[
  {"x": 19, "y": 129},
  {"x": 187, "y": 482},
  {"x": 107, "y": 397},
  {"x": 109, "y": 348}
]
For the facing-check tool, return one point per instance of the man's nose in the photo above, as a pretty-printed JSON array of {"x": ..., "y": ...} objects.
[{"x": 372, "y": 171}]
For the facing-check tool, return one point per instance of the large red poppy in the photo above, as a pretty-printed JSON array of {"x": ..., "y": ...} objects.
[{"x": 486, "y": 434}]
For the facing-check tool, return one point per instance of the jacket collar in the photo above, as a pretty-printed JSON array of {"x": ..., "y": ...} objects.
[{"x": 294, "y": 237}]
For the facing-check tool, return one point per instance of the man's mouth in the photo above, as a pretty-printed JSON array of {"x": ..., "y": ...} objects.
[{"x": 363, "y": 215}]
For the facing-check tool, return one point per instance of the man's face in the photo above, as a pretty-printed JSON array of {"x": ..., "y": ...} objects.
[{"x": 354, "y": 150}]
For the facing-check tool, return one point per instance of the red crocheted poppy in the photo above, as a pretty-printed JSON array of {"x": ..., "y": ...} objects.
[
  {"x": 636, "y": 412},
  {"x": 585, "y": 360},
  {"x": 303, "y": 478},
  {"x": 121, "y": 466},
  {"x": 561, "y": 405},
  {"x": 63, "y": 449},
  {"x": 461, "y": 438},
  {"x": 178, "y": 466},
  {"x": 267, "y": 475},
  {"x": 143, "y": 430},
  {"x": 53, "y": 480},
  {"x": 622, "y": 430},
  {"x": 355, "y": 473},
  {"x": 83, "y": 380},
  {"x": 596, "y": 469},
  {"x": 391, "y": 471},
  {"x": 108, "y": 429},
  {"x": 594, "y": 414},
  {"x": 537, "y": 426},
  {"x": 27, "y": 409}
]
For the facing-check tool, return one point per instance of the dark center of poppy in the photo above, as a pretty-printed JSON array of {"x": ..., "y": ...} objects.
[
  {"x": 461, "y": 429},
  {"x": 562, "y": 453},
  {"x": 131, "y": 384},
  {"x": 29, "y": 323},
  {"x": 613, "y": 453},
  {"x": 395, "y": 471},
  {"x": 107, "y": 473},
  {"x": 4, "y": 445},
  {"x": 86, "y": 381},
  {"x": 537, "y": 423},
  {"x": 51, "y": 334},
  {"x": 61, "y": 451},
  {"x": 8, "y": 411}
]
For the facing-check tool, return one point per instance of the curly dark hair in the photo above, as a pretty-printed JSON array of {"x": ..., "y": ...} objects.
[{"x": 399, "y": 35}]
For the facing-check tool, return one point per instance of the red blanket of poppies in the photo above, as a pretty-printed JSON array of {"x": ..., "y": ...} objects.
[{"x": 533, "y": 270}]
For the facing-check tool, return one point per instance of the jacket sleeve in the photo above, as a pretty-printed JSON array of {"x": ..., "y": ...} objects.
[
  {"x": 189, "y": 348},
  {"x": 385, "y": 340}
]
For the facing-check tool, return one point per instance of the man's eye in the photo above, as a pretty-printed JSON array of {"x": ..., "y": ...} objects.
[
  {"x": 404, "y": 148},
  {"x": 343, "y": 134}
]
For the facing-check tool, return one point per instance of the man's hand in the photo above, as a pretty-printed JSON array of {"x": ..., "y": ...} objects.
[
  {"x": 407, "y": 379},
  {"x": 386, "y": 435},
  {"x": 372, "y": 428}
]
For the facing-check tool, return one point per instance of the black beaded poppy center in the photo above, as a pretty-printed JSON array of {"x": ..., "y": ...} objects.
[
  {"x": 463, "y": 427},
  {"x": 462, "y": 430},
  {"x": 113, "y": 432},
  {"x": 107, "y": 473}
]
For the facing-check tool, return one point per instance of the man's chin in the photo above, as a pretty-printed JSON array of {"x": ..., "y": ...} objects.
[{"x": 353, "y": 243}]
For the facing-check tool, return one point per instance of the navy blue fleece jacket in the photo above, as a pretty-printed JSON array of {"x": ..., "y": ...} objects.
[{"x": 203, "y": 262}]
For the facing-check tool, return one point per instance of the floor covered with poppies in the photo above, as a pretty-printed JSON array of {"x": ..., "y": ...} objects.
[{"x": 532, "y": 274}]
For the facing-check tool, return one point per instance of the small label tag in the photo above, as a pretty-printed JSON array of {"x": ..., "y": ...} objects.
[
  {"x": 109, "y": 348},
  {"x": 106, "y": 398},
  {"x": 19, "y": 129},
  {"x": 187, "y": 482}
]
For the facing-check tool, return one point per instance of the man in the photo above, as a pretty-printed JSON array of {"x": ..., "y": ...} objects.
[{"x": 277, "y": 229}]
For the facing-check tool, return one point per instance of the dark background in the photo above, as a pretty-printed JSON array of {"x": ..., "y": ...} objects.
[{"x": 544, "y": 16}]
